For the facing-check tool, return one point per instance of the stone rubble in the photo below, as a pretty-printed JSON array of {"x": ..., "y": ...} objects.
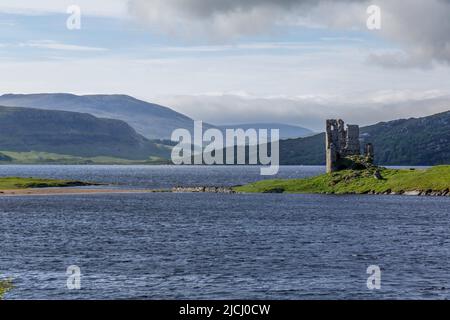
[{"x": 203, "y": 189}]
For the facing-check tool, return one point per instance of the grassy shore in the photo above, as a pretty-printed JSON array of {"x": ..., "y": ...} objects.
[
  {"x": 435, "y": 180},
  {"x": 33, "y": 157},
  {"x": 15, "y": 183},
  {"x": 5, "y": 286}
]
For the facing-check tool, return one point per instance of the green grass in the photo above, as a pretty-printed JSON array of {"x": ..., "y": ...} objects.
[
  {"x": 13, "y": 183},
  {"x": 359, "y": 182},
  {"x": 5, "y": 286},
  {"x": 35, "y": 157}
]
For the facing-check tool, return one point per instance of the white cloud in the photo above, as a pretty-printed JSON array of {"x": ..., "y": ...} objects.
[
  {"x": 420, "y": 28},
  {"x": 328, "y": 71},
  {"x": 310, "y": 111},
  {"x": 303, "y": 84},
  {"x": 110, "y": 8},
  {"x": 216, "y": 19},
  {"x": 255, "y": 46},
  {"x": 7, "y": 24},
  {"x": 290, "y": 89},
  {"x": 53, "y": 45}
]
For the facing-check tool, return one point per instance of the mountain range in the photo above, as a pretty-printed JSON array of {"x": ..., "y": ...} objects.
[
  {"x": 150, "y": 120},
  {"x": 122, "y": 127},
  {"x": 24, "y": 130}
]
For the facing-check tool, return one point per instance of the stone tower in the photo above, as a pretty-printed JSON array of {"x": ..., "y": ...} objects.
[
  {"x": 369, "y": 152},
  {"x": 340, "y": 143}
]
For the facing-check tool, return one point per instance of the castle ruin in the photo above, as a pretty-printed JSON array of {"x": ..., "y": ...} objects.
[{"x": 342, "y": 143}]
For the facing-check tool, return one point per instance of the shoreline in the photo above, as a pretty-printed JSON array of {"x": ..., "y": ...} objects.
[
  {"x": 74, "y": 191},
  {"x": 67, "y": 191},
  {"x": 214, "y": 190},
  {"x": 434, "y": 181}
]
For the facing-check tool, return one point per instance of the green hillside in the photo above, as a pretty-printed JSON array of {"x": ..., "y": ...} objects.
[
  {"x": 422, "y": 141},
  {"x": 26, "y": 131},
  {"x": 435, "y": 180},
  {"x": 148, "y": 119},
  {"x": 12, "y": 183},
  {"x": 34, "y": 157}
]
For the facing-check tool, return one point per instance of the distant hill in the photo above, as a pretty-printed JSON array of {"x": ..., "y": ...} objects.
[
  {"x": 71, "y": 133},
  {"x": 286, "y": 131},
  {"x": 421, "y": 141},
  {"x": 151, "y": 120}
]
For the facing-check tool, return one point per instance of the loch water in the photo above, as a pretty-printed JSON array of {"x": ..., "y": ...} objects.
[{"x": 219, "y": 246}]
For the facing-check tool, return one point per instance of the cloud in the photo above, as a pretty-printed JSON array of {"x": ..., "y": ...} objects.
[
  {"x": 108, "y": 8},
  {"x": 216, "y": 19},
  {"x": 53, "y": 45},
  {"x": 421, "y": 29},
  {"x": 328, "y": 72},
  {"x": 307, "y": 92},
  {"x": 256, "y": 46},
  {"x": 399, "y": 60},
  {"x": 310, "y": 111}
]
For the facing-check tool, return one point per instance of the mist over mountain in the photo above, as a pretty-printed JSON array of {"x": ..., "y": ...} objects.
[
  {"x": 414, "y": 141},
  {"x": 286, "y": 131}
]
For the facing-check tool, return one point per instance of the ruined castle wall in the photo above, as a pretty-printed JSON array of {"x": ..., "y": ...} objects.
[
  {"x": 340, "y": 142},
  {"x": 352, "y": 144}
]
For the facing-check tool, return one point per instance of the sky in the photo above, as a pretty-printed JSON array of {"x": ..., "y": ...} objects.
[{"x": 234, "y": 61}]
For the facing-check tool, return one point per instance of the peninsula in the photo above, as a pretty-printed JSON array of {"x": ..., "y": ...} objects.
[
  {"x": 349, "y": 172},
  {"x": 433, "y": 182},
  {"x": 17, "y": 183}
]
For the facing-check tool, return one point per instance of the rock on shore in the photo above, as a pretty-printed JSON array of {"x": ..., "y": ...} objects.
[
  {"x": 430, "y": 193},
  {"x": 203, "y": 189}
]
